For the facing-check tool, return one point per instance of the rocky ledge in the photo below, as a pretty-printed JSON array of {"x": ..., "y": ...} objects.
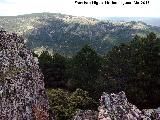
[
  {"x": 116, "y": 107},
  {"x": 22, "y": 92}
]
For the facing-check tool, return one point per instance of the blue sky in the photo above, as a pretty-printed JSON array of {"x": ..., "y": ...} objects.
[{"x": 19, "y": 7}]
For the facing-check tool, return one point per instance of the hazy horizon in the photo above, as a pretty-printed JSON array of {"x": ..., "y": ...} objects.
[
  {"x": 69, "y": 7},
  {"x": 154, "y": 21},
  {"x": 103, "y": 17}
]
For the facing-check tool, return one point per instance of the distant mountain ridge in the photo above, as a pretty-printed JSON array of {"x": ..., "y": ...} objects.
[
  {"x": 67, "y": 34},
  {"x": 148, "y": 20}
]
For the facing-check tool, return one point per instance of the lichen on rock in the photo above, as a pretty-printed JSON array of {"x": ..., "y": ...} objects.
[
  {"x": 85, "y": 115},
  {"x": 116, "y": 107},
  {"x": 22, "y": 91}
]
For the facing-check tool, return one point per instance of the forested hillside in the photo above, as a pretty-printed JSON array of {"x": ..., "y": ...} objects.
[
  {"x": 80, "y": 59},
  {"x": 67, "y": 34},
  {"x": 132, "y": 67}
]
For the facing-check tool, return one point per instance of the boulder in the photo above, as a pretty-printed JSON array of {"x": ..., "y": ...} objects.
[
  {"x": 116, "y": 107},
  {"x": 22, "y": 92}
]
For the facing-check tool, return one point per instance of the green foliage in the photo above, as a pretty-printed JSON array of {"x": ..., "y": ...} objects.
[
  {"x": 152, "y": 36},
  {"x": 45, "y": 57},
  {"x": 80, "y": 99},
  {"x": 65, "y": 104},
  {"x": 57, "y": 58},
  {"x": 85, "y": 69},
  {"x": 54, "y": 69},
  {"x": 136, "y": 67},
  {"x": 133, "y": 67}
]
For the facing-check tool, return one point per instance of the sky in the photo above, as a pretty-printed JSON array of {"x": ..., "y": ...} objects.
[{"x": 71, "y": 7}]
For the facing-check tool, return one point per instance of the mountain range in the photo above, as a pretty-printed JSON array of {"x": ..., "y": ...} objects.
[
  {"x": 154, "y": 21},
  {"x": 67, "y": 34}
]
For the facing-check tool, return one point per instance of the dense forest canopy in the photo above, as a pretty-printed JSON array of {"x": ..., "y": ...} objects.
[{"x": 133, "y": 67}]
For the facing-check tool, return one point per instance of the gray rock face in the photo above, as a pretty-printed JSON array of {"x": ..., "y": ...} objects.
[
  {"x": 117, "y": 107},
  {"x": 86, "y": 115},
  {"x": 22, "y": 93}
]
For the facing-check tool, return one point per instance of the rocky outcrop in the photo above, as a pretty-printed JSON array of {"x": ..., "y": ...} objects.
[
  {"x": 22, "y": 93},
  {"x": 85, "y": 115},
  {"x": 117, "y": 107}
]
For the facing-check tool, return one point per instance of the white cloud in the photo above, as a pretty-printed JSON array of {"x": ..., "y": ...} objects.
[{"x": 17, "y": 7}]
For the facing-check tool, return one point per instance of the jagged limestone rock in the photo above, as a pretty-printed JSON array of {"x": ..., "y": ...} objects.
[
  {"x": 86, "y": 115},
  {"x": 22, "y": 93},
  {"x": 116, "y": 107}
]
